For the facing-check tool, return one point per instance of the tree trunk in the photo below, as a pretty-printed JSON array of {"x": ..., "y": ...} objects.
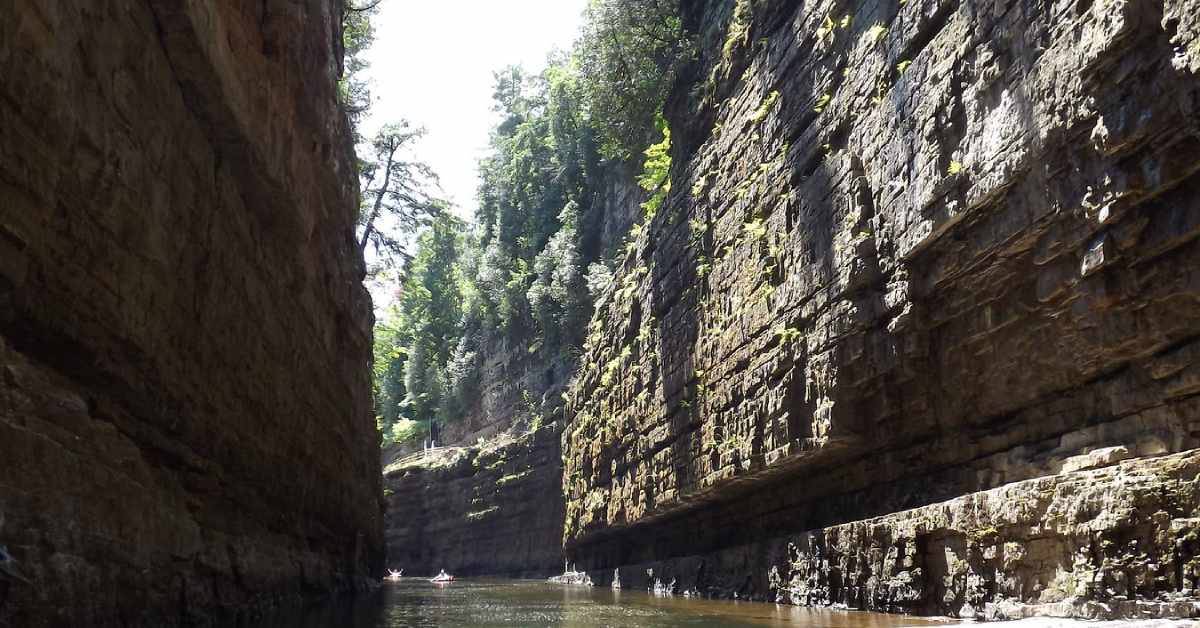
[{"x": 383, "y": 189}]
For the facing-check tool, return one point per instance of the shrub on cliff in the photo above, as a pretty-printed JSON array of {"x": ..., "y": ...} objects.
[{"x": 656, "y": 171}]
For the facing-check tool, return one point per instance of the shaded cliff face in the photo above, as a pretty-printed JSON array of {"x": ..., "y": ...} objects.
[
  {"x": 185, "y": 417},
  {"x": 914, "y": 251},
  {"x": 493, "y": 509}
]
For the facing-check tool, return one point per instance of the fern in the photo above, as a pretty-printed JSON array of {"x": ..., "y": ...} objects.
[{"x": 656, "y": 172}]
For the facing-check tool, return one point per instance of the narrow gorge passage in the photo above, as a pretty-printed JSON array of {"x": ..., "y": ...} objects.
[{"x": 614, "y": 312}]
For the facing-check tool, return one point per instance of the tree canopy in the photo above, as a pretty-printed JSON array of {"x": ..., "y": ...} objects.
[
  {"x": 357, "y": 36},
  {"x": 395, "y": 197},
  {"x": 527, "y": 272},
  {"x": 629, "y": 54}
]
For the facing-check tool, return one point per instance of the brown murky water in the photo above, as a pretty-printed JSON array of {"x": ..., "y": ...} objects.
[{"x": 416, "y": 603}]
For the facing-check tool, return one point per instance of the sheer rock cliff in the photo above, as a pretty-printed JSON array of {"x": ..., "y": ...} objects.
[
  {"x": 919, "y": 327},
  {"x": 492, "y": 509},
  {"x": 185, "y": 412}
]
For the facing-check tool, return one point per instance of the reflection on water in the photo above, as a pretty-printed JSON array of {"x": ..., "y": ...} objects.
[{"x": 414, "y": 602}]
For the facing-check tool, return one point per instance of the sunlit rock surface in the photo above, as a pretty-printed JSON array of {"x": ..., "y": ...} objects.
[
  {"x": 914, "y": 252},
  {"x": 185, "y": 416}
]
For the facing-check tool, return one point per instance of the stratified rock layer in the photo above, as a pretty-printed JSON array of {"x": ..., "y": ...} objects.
[
  {"x": 495, "y": 509},
  {"x": 185, "y": 420},
  {"x": 1121, "y": 541},
  {"x": 914, "y": 251}
]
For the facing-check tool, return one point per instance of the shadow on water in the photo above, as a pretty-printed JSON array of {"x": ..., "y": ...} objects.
[{"x": 531, "y": 603}]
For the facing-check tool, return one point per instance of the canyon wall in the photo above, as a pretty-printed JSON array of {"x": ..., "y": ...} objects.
[
  {"x": 493, "y": 508},
  {"x": 918, "y": 328},
  {"x": 492, "y": 503},
  {"x": 185, "y": 412}
]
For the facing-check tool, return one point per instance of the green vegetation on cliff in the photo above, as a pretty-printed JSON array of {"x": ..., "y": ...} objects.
[
  {"x": 414, "y": 342},
  {"x": 528, "y": 272},
  {"x": 628, "y": 53},
  {"x": 357, "y": 35}
]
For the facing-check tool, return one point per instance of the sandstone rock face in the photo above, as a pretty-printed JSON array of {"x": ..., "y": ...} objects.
[
  {"x": 914, "y": 251},
  {"x": 185, "y": 420},
  {"x": 495, "y": 509}
]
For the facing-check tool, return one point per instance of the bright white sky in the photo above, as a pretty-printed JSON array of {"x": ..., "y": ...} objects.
[{"x": 432, "y": 63}]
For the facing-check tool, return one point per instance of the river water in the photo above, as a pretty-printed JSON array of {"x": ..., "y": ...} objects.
[{"x": 476, "y": 603}]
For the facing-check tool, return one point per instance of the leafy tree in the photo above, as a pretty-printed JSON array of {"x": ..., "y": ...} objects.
[
  {"x": 628, "y": 55},
  {"x": 390, "y": 353},
  {"x": 520, "y": 196},
  {"x": 416, "y": 338},
  {"x": 406, "y": 430},
  {"x": 538, "y": 180},
  {"x": 559, "y": 296},
  {"x": 357, "y": 35},
  {"x": 431, "y": 308},
  {"x": 395, "y": 193}
]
